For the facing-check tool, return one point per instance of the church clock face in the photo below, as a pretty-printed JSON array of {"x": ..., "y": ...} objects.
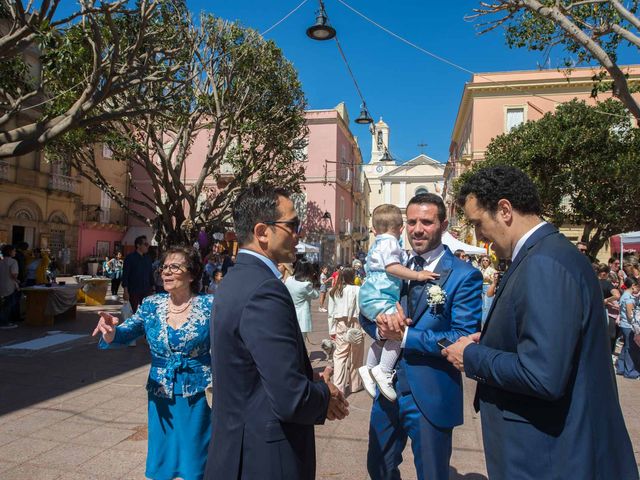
[{"x": 379, "y": 169}]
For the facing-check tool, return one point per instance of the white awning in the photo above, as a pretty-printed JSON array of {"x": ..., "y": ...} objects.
[
  {"x": 455, "y": 244},
  {"x": 302, "y": 247}
]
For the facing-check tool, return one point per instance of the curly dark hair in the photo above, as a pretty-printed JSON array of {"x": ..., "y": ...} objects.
[
  {"x": 492, "y": 184},
  {"x": 191, "y": 259},
  {"x": 257, "y": 202}
]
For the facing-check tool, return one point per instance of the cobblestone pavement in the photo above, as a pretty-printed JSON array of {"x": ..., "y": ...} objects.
[{"x": 73, "y": 412}]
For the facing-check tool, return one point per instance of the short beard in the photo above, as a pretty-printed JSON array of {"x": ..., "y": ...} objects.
[{"x": 432, "y": 245}]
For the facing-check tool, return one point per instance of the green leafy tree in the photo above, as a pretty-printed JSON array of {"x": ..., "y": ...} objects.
[
  {"x": 584, "y": 164},
  {"x": 243, "y": 102},
  {"x": 99, "y": 63},
  {"x": 589, "y": 31}
]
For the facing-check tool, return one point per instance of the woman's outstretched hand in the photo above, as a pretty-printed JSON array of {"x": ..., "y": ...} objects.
[{"x": 106, "y": 326}]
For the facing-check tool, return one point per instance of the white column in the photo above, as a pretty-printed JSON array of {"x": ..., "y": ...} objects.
[
  {"x": 403, "y": 195},
  {"x": 387, "y": 191}
]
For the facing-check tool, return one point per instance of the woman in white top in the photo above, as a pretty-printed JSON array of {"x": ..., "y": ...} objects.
[
  {"x": 302, "y": 292},
  {"x": 348, "y": 356}
]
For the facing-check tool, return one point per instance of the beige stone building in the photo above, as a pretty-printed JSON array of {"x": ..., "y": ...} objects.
[
  {"x": 48, "y": 205},
  {"x": 494, "y": 103}
]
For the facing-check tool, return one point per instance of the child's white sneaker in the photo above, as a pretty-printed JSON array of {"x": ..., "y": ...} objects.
[
  {"x": 385, "y": 382},
  {"x": 367, "y": 380}
]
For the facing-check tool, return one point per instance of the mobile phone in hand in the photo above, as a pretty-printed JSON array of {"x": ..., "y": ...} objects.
[{"x": 444, "y": 343}]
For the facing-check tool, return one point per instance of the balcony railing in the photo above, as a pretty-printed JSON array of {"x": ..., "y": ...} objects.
[
  {"x": 93, "y": 213},
  {"x": 63, "y": 183},
  {"x": 4, "y": 170},
  {"x": 345, "y": 227}
]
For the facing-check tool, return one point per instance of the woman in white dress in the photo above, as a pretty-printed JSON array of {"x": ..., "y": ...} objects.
[
  {"x": 300, "y": 286},
  {"x": 348, "y": 356}
]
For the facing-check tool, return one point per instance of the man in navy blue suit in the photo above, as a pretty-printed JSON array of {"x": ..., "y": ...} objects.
[
  {"x": 265, "y": 400},
  {"x": 429, "y": 389},
  {"x": 546, "y": 388}
]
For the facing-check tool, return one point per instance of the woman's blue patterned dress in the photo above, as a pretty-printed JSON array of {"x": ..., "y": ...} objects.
[{"x": 179, "y": 416}]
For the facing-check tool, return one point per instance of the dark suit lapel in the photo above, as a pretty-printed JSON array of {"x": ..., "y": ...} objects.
[
  {"x": 538, "y": 235},
  {"x": 443, "y": 268}
]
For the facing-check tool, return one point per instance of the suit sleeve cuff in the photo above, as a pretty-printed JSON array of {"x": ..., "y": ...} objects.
[
  {"x": 404, "y": 337},
  {"x": 471, "y": 358}
]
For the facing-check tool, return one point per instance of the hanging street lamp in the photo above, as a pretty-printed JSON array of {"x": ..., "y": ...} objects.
[
  {"x": 364, "y": 118},
  {"x": 321, "y": 30}
]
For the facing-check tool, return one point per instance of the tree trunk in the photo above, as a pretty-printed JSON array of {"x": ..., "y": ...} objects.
[{"x": 596, "y": 243}]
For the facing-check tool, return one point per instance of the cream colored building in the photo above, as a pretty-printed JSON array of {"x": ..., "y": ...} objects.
[
  {"x": 494, "y": 103},
  {"x": 395, "y": 183},
  {"x": 48, "y": 205}
]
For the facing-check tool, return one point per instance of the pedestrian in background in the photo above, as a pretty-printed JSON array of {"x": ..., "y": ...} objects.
[
  {"x": 8, "y": 285},
  {"x": 115, "y": 266},
  {"x": 611, "y": 296},
  {"x": 488, "y": 273},
  {"x": 22, "y": 253},
  {"x": 348, "y": 356},
  {"x": 37, "y": 267},
  {"x": 324, "y": 280},
  {"x": 300, "y": 286},
  {"x": 176, "y": 324},
  {"x": 137, "y": 274},
  {"x": 628, "y": 360},
  {"x": 212, "y": 288}
]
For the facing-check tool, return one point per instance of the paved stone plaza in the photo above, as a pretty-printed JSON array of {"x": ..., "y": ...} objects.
[{"x": 69, "y": 411}]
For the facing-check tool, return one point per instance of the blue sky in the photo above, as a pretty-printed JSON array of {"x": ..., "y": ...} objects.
[{"x": 417, "y": 96}]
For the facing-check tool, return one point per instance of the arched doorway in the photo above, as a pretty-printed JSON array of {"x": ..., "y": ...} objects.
[{"x": 24, "y": 216}]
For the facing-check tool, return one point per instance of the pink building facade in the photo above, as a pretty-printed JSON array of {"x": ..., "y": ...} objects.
[{"x": 334, "y": 203}]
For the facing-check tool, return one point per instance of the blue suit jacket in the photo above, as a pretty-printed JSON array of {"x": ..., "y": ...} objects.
[
  {"x": 546, "y": 390},
  {"x": 435, "y": 384},
  {"x": 265, "y": 403}
]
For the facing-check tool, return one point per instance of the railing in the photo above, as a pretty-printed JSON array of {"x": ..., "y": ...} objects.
[
  {"x": 4, "y": 170},
  {"x": 345, "y": 227},
  {"x": 63, "y": 183},
  {"x": 93, "y": 213}
]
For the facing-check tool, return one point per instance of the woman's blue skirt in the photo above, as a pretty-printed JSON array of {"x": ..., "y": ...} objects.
[{"x": 179, "y": 433}]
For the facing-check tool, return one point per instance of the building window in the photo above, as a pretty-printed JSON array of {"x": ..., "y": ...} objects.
[
  {"x": 105, "y": 207},
  {"x": 514, "y": 117}
]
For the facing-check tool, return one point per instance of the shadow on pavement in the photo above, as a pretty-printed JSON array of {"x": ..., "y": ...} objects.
[{"x": 31, "y": 377}]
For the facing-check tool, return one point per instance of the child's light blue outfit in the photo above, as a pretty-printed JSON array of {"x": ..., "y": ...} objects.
[{"x": 381, "y": 291}]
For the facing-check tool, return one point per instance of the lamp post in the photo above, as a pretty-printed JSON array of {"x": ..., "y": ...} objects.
[{"x": 321, "y": 30}]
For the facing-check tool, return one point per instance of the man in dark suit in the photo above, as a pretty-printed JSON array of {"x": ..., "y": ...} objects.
[
  {"x": 546, "y": 388},
  {"x": 265, "y": 402},
  {"x": 429, "y": 390}
]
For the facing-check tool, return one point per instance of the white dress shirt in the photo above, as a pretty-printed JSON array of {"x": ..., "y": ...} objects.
[{"x": 524, "y": 238}]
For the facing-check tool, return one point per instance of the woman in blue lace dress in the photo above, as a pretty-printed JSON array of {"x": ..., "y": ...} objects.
[{"x": 176, "y": 324}]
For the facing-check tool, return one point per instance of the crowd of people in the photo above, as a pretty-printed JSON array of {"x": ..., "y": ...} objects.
[
  {"x": 21, "y": 267},
  {"x": 232, "y": 393}
]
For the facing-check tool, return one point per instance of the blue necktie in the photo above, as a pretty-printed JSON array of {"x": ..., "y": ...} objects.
[{"x": 415, "y": 287}]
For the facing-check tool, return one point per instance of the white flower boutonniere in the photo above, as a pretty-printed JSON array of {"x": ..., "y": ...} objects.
[{"x": 436, "y": 295}]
